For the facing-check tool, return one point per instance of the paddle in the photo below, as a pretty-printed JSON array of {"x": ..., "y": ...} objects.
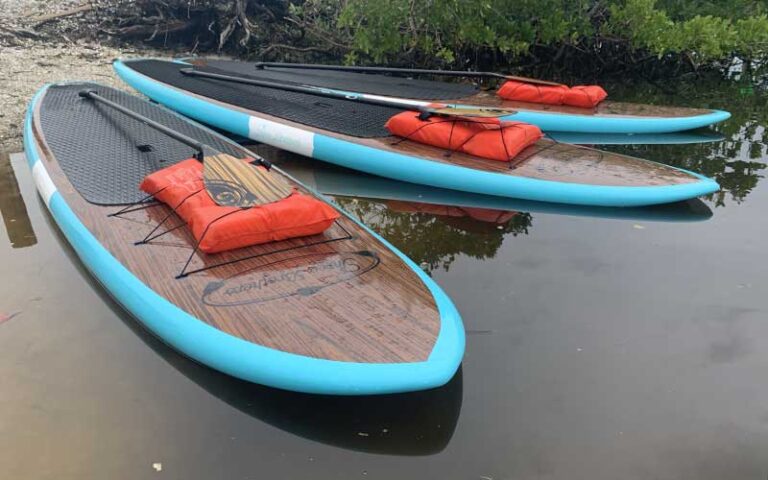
[
  {"x": 230, "y": 181},
  {"x": 426, "y": 109},
  {"x": 448, "y": 73}
]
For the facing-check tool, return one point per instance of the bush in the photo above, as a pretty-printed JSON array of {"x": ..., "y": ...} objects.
[
  {"x": 572, "y": 35},
  {"x": 467, "y": 32}
]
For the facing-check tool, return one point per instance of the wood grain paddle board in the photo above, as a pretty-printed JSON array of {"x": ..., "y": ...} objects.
[{"x": 337, "y": 313}]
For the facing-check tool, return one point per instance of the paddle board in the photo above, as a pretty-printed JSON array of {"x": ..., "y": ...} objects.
[
  {"x": 352, "y": 135},
  {"x": 342, "y": 312},
  {"x": 607, "y": 117}
]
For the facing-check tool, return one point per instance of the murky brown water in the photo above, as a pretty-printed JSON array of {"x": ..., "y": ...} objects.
[{"x": 601, "y": 344}]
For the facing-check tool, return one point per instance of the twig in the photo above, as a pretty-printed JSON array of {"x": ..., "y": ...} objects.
[
  {"x": 37, "y": 21},
  {"x": 291, "y": 47},
  {"x": 19, "y": 32},
  {"x": 318, "y": 33}
]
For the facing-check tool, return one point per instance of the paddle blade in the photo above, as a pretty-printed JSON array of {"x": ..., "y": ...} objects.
[
  {"x": 533, "y": 81},
  {"x": 473, "y": 112},
  {"x": 231, "y": 182}
]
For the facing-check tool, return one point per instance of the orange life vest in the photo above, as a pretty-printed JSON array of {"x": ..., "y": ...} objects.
[
  {"x": 585, "y": 96},
  {"x": 218, "y": 228},
  {"x": 482, "y": 137}
]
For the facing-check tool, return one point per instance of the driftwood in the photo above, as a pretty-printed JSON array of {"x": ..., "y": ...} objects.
[
  {"x": 265, "y": 28},
  {"x": 16, "y": 36},
  {"x": 268, "y": 29},
  {"x": 151, "y": 31},
  {"x": 18, "y": 32}
]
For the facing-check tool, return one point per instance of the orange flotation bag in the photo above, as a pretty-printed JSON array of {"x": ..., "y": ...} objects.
[
  {"x": 218, "y": 228},
  {"x": 585, "y": 96},
  {"x": 482, "y": 137}
]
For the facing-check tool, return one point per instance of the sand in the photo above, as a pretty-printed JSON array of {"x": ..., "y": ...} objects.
[{"x": 32, "y": 55}]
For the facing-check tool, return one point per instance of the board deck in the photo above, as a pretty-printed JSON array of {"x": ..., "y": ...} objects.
[
  {"x": 607, "y": 117},
  {"x": 546, "y": 171},
  {"x": 606, "y": 108},
  {"x": 343, "y": 303}
]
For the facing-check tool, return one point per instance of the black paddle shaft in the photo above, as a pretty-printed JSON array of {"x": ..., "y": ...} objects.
[
  {"x": 92, "y": 95},
  {"x": 344, "y": 68},
  {"x": 424, "y": 111},
  {"x": 311, "y": 90}
]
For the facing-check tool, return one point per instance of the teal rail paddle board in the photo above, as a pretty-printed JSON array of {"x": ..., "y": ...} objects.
[
  {"x": 343, "y": 182},
  {"x": 352, "y": 135},
  {"x": 342, "y": 312},
  {"x": 608, "y": 117}
]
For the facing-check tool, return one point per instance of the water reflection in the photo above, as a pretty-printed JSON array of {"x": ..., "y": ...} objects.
[
  {"x": 737, "y": 162},
  {"x": 678, "y": 138},
  {"x": 435, "y": 240},
  {"x": 433, "y": 226},
  {"x": 12, "y": 208},
  {"x": 417, "y": 423}
]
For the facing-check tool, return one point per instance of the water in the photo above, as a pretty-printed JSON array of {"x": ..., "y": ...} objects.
[{"x": 598, "y": 347}]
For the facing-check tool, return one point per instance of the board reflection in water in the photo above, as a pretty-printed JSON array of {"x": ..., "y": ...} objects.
[
  {"x": 12, "y": 208},
  {"x": 433, "y": 225},
  {"x": 678, "y": 138},
  {"x": 416, "y": 423}
]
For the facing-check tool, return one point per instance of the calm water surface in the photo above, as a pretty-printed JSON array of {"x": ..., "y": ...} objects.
[{"x": 601, "y": 343}]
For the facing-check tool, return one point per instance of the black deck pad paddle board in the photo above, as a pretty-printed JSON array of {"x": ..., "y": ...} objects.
[
  {"x": 393, "y": 86},
  {"x": 121, "y": 151},
  {"x": 340, "y": 116}
]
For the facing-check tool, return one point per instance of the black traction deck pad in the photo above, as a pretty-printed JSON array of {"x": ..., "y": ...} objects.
[
  {"x": 376, "y": 83},
  {"x": 340, "y": 116},
  {"x": 120, "y": 151}
]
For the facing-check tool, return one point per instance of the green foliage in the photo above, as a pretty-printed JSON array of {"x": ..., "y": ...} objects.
[
  {"x": 444, "y": 28},
  {"x": 753, "y": 35},
  {"x": 443, "y": 32},
  {"x": 683, "y": 9},
  {"x": 701, "y": 38},
  {"x": 642, "y": 25}
]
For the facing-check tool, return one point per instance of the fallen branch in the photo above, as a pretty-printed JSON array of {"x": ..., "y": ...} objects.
[
  {"x": 280, "y": 46},
  {"x": 19, "y": 32},
  {"x": 144, "y": 30},
  {"x": 39, "y": 20}
]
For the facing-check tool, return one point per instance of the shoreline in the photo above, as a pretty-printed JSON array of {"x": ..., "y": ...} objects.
[
  {"x": 35, "y": 52},
  {"x": 31, "y": 66}
]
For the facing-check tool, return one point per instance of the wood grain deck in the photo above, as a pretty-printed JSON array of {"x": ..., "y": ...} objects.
[
  {"x": 341, "y": 295},
  {"x": 549, "y": 160},
  {"x": 605, "y": 108}
]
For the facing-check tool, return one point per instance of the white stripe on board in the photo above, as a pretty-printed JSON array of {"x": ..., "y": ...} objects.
[
  {"x": 43, "y": 182},
  {"x": 282, "y": 136}
]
